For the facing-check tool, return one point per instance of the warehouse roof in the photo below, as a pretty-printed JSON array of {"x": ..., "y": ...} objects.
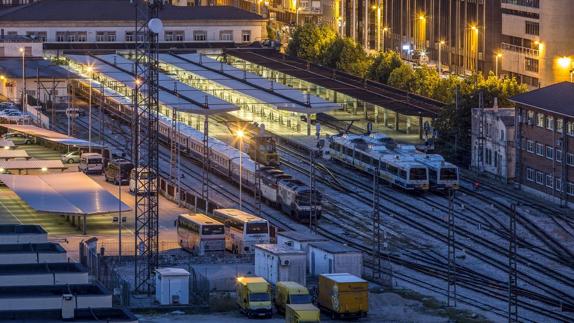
[
  {"x": 6, "y": 229},
  {"x": 28, "y": 269},
  {"x": 51, "y": 290},
  {"x": 117, "y": 10},
  {"x": 11, "y": 67},
  {"x": 83, "y": 315},
  {"x": 333, "y": 247},
  {"x": 47, "y": 247},
  {"x": 556, "y": 98}
]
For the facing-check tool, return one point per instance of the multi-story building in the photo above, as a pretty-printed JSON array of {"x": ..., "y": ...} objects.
[
  {"x": 493, "y": 149},
  {"x": 545, "y": 141},
  {"x": 109, "y": 24},
  {"x": 537, "y": 47}
]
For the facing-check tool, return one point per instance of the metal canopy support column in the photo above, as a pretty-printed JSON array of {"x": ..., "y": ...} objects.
[
  {"x": 512, "y": 272},
  {"x": 206, "y": 163},
  {"x": 257, "y": 184},
  {"x": 145, "y": 144},
  {"x": 376, "y": 214},
  {"x": 451, "y": 297},
  {"x": 312, "y": 191}
]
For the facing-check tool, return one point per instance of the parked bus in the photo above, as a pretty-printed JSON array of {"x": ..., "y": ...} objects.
[
  {"x": 242, "y": 230},
  {"x": 200, "y": 234}
]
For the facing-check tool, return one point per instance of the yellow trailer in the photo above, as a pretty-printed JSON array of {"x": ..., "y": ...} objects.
[
  {"x": 254, "y": 297},
  {"x": 343, "y": 295},
  {"x": 302, "y": 313},
  {"x": 290, "y": 293}
]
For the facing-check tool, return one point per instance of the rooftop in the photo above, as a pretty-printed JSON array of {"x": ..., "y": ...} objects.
[
  {"x": 21, "y": 229},
  {"x": 27, "y": 269},
  {"x": 84, "y": 315},
  {"x": 556, "y": 98},
  {"x": 116, "y": 10},
  {"x": 301, "y": 237},
  {"x": 11, "y": 67},
  {"x": 344, "y": 278},
  {"x": 333, "y": 247},
  {"x": 48, "y": 247},
  {"x": 279, "y": 249},
  {"x": 56, "y": 290}
]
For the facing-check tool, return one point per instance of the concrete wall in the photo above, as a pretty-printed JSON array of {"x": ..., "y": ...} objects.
[
  {"x": 43, "y": 279},
  {"x": 9, "y": 49},
  {"x": 23, "y": 238},
  {"x": 12, "y": 89},
  {"x": 32, "y": 258},
  {"x": 53, "y": 302}
]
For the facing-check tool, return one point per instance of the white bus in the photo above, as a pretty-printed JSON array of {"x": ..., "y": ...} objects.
[
  {"x": 242, "y": 230},
  {"x": 200, "y": 234}
]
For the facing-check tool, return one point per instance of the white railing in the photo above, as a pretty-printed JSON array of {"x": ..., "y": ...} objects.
[{"x": 522, "y": 50}]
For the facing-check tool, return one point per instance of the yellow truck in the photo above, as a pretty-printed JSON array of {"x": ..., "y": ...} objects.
[
  {"x": 254, "y": 297},
  {"x": 290, "y": 293},
  {"x": 343, "y": 295},
  {"x": 302, "y": 313}
]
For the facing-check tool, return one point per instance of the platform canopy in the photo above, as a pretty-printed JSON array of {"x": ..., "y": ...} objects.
[
  {"x": 48, "y": 135},
  {"x": 65, "y": 193},
  {"x": 13, "y": 153},
  {"x": 185, "y": 99},
  {"x": 275, "y": 94},
  {"x": 45, "y": 164},
  {"x": 6, "y": 144}
]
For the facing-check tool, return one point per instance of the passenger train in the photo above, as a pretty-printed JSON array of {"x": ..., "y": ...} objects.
[
  {"x": 289, "y": 195},
  {"x": 400, "y": 165}
]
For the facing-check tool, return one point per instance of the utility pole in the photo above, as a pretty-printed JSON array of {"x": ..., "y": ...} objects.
[
  {"x": 145, "y": 142},
  {"x": 312, "y": 193},
  {"x": 512, "y": 272},
  {"x": 451, "y": 297},
  {"x": 481, "y": 132},
  {"x": 376, "y": 216}
]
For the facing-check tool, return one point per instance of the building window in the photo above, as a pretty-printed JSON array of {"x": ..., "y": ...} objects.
[
  {"x": 488, "y": 156},
  {"x": 558, "y": 184},
  {"x": 570, "y": 128},
  {"x": 569, "y": 159},
  {"x": 174, "y": 35},
  {"x": 531, "y": 65},
  {"x": 129, "y": 36},
  {"x": 39, "y": 35},
  {"x": 530, "y": 146},
  {"x": 105, "y": 36},
  {"x": 549, "y": 152},
  {"x": 501, "y": 135},
  {"x": 540, "y": 120},
  {"x": 226, "y": 35},
  {"x": 539, "y": 149},
  {"x": 570, "y": 189},
  {"x": 539, "y": 178},
  {"x": 559, "y": 124},
  {"x": 559, "y": 155},
  {"x": 530, "y": 174},
  {"x": 246, "y": 35},
  {"x": 549, "y": 181},
  {"x": 530, "y": 117},
  {"x": 549, "y": 122},
  {"x": 200, "y": 35},
  {"x": 532, "y": 28},
  {"x": 60, "y": 36}
]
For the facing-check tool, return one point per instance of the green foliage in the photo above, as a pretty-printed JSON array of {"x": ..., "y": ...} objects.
[
  {"x": 310, "y": 42},
  {"x": 346, "y": 55},
  {"x": 383, "y": 64}
]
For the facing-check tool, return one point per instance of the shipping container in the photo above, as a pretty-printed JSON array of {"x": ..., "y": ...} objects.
[
  {"x": 278, "y": 263},
  {"x": 343, "y": 295},
  {"x": 332, "y": 257}
]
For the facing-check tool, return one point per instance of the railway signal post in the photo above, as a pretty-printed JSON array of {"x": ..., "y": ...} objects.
[
  {"x": 512, "y": 271},
  {"x": 451, "y": 297}
]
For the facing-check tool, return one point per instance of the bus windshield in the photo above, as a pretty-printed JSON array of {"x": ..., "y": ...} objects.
[
  {"x": 257, "y": 228},
  {"x": 418, "y": 174},
  {"x": 448, "y": 174},
  {"x": 211, "y": 230}
]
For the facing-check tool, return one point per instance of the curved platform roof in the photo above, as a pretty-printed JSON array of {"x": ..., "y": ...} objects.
[
  {"x": 275, "y": 94},
  {"x": 63, "y": 193}
]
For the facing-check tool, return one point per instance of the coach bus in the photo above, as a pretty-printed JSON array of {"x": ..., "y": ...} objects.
[
  {"x": 200, "y": 234},
  {"x": 242, "y": 230}
]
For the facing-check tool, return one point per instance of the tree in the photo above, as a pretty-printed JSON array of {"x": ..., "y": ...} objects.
[
  {"x": 403, "y": 78},
  {"x": 383, "y": 64},
  {"x": 310, "y": 41},
  {"x": 346, "y": 55}
]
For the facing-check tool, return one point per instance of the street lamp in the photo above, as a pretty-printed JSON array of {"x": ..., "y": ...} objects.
[
  {"x": 90, "y": 69},
  {"x": 498, "y": 57},
  {"x": 565, "y": 62},
  {"x": 240, "y": 134},
  {"x": 474, "y": 44},
  {"x": 23, "y": 52},
  {"x": 439, "y": 65},
  {"x": 378, "y": 9}
]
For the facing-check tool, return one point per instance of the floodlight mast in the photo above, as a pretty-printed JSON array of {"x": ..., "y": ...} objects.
[{"x": 145, "y": 153}]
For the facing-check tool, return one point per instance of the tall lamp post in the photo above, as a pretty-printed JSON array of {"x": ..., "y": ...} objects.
[
  {"x": 498, "y": 57},
  {"x": 24, "y": 101},
  {"x": 439, "y": 65},
  {"x": 90, "y": 69},
  {"x": 378, "y": 23},
  {"x": 240, "y": 134}
]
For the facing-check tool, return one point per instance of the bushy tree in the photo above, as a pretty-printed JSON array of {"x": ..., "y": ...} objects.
[
  {"x": 348, "y": 56},
  {"x": 310, "y": 41},
  {"x": 383, "y": 64},
  {"x": 403, "y": 78}
]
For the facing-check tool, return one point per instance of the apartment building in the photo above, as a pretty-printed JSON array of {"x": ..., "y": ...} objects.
[
  {"x": 537, "y": 47},
  {"x": 493, "y": 149},
  {"x": 544, "y": 141}
]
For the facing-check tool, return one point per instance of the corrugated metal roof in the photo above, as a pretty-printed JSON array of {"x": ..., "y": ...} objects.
[
  {"x": 11, "y": 67},
  {"x": 556, "y": 98}
]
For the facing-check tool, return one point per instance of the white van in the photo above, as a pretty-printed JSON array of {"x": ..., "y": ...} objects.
[
  {"x": 91, "y": 163},
  {"x": 145, "y": 178}
]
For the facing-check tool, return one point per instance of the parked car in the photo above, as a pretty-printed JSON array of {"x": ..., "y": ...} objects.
[
  {"x": 18, "y": 138},
  {"x": 91, "y": 163},
  {"x": 71, "y": 157},
  {"x": 118, "y": 171}
]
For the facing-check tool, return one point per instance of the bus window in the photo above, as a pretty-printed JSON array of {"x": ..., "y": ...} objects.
[
  {"x": 256, "y": 228},
  {"x": 418, "y": 174},
  {"x": 211, "y": 230}
]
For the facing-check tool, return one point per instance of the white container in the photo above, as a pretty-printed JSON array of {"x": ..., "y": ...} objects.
[
  {"x": 298, "y": 240},
  {"x": 332, "y": 257},
  {"x": 172, "y": 286},
  {"x": 280, "y": 263}
]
